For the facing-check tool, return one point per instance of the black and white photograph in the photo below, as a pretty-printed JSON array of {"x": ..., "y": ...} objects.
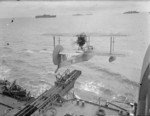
[{"x": 74, "y": 58}]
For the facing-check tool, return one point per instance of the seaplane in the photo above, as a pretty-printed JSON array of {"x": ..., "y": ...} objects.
[{"x": 84, "y": 52}]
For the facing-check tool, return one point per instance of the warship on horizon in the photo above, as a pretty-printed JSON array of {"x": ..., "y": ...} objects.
[{"x": 45, "y": 16}]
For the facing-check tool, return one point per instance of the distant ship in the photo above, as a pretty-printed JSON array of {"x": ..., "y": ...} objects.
[
  {"x": 131, "y": 12},
  {"x": 77, "y": 14},
  {"x": 45, "y": 16},
  {"x": 81, "y": 14}
]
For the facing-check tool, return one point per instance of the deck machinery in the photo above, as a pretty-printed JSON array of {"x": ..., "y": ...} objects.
[{"x": 41, "y": 104}]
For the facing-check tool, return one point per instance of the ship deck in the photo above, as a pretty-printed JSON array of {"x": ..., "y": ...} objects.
[
  {"x": 53, "y": 101},
  {"x": 89, "y": 109},
  {"x": 79, "y": 110},
  {"x": 8, "y": 103}
]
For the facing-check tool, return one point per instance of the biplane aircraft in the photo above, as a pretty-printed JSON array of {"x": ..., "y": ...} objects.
[{"x": 85, "y": 51}]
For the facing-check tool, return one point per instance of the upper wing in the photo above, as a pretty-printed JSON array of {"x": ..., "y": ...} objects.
[
  {"x": 119, "y": 34},
  {"x": 87, "y": 34},
  {"x": 60, "y": 34}
]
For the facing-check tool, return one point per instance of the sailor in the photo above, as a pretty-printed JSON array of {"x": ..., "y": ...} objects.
[{"x": 58, "y": 77}]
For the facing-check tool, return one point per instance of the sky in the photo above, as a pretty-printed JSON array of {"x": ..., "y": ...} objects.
[{"x": 30, "y": 9}]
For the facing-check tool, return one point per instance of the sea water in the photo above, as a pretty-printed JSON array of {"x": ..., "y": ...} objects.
[{"x": 28, "y": 56}]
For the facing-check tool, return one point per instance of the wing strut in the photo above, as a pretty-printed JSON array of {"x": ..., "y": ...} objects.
[
  {"x": 59, "y": 40},
  {"x": 54, "y": 41},
  {"x": 89, "y": 40},
  {"x": 112, "y": 41}
]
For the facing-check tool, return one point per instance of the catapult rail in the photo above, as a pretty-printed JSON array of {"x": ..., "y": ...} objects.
[
  {"x": 45, "y": 100},
  {"x": 103, "y": 106}
]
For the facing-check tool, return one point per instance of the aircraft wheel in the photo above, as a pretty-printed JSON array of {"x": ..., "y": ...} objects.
[{"x": 56, "y": 55}]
